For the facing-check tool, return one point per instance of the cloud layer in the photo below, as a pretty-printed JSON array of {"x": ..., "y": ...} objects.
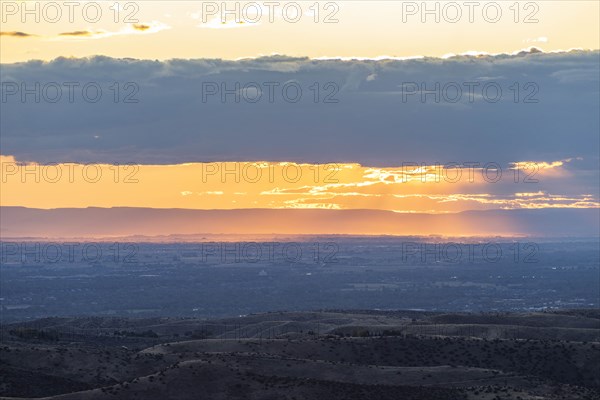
[{"x": 373, "y": 112}]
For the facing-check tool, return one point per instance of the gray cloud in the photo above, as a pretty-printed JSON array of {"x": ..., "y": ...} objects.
[
  {"x": 141, "y": 27},
  {"x": 17, "y": 34},
  {"x": 77, "y": 33},
  {"x": 371, "y": 123}
]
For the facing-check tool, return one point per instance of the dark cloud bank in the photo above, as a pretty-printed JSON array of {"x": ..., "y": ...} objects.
[{"x": 373, "y": 122}]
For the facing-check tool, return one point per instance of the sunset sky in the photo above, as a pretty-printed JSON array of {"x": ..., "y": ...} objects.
[
  {"x": 333, "y": 105},
  {"x": 409, "y": 188},
  {"x": 190, "y": 29}
]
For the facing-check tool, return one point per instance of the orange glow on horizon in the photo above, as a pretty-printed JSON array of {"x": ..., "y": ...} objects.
[{"x": 274, "y": 185}]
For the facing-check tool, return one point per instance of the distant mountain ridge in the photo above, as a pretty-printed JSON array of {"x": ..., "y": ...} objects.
[{"x": 93, "y": 222}]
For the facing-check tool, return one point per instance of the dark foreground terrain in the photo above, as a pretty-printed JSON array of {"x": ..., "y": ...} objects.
[{"x": 314, "y": 355}]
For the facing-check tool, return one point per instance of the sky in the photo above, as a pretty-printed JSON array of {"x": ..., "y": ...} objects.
[
  {"x": 401, "y": 106},
  {"x": 347, "y": 28}
]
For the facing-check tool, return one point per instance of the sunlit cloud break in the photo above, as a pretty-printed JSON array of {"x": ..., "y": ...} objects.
[{"x": 433, "y": 189}]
